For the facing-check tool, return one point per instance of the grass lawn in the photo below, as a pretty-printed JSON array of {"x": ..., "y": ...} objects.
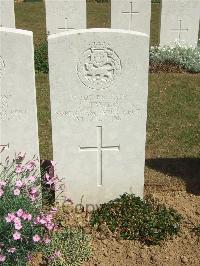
[{"x": 173, "y": 128}]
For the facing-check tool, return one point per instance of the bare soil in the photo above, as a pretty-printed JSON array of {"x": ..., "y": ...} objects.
[{"x": 183, "y": 249}]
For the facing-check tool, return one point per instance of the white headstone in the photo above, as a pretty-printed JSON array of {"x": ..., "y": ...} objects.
[
  {"x": 99, "y": 107},
  {"x": 65, "y": 15},
  {"x": 131, "y": 15},
  {"x": 180, "y": 21},
  {"x": 18, "y": 114},
  {"x": 7, "y": 13}
]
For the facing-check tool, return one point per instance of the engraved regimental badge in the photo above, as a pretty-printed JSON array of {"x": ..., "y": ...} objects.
[
  {"x": 98, "y": 66},
  {"x": 2, "y": 67}
]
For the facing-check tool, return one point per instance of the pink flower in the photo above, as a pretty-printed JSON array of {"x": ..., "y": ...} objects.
[
  {"x": 16, "y": 192},
  {"x": 33, "y": 191},
  {"x": 16, "y": 235},
  {"x": 53, "y": 163},
  {"x": 24, "y": 216},
  {"x": 17, "y": 220},
  {"x": 51, "y": 181},
  {"x": 19, "y": 184},
  {"x": 11, "y": 250},
  {"x": 32, "y": 197},
  {"x": 2, "y": 258},
  {"x": 47, "y": 240},
  {"x": 20, "y": 156},
  {"x": 27, "y": 216},
  {"x": 10, "y": 217},
  {"x": 33, "y": 194},
  {"x": 49, "y": 217},
  {"x": 47, "y": 177},
  {"x": 57, "y": 253},
  {"x": 1, "y": 192},
  {"x": 36, "y": 238},
  {"x": 37, "y": 220},
  {"x": 32, "y": 178},
  {"x": 50, "y": 226},
  {"x": 30, "y": 166},
  {"x": 20, "y": 212},
  {"x": 19, "y": 169},
  {"x": 53, "y": 210},
  {"x": 43, "y": 221},
  {"x": 30, "y": 257},
  {"x": 18, "y": 225},
  {"x": 2, "y": 184}
]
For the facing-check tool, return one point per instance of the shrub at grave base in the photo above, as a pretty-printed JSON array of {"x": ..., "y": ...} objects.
[
  {"x": 184, "y": 57},
  {"x": 24, "y": 228},
  {"x": 135, "y": 219},
  {"x": 68, "y": 247}
]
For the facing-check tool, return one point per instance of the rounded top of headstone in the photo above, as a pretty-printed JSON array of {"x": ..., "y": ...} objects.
[
  {"x": 97, "y": 30},
  {"x": 17, "y": 31}
]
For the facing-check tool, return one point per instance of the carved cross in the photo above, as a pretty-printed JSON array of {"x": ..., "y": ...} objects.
[
  {"x": 180, "y": 29},
  {"x": 99, "y": 149},
  {"x": 66, "y": 26},
  {"x": 4, "y": 147},
  {"x": 131, "y": 13}
]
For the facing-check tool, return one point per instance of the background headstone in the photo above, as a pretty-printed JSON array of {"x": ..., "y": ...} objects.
[
  {"x": 7, "y": 13},
  {"x": 131, "y": 15},
  {"x": 18, "y": 112},
  {"x": 65, "y": 15},
  {"x": 99, "y": 106},
  {"x": 180, "y": 21}
]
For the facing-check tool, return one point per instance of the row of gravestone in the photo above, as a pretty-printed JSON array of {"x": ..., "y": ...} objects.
[
  {"x": 98, "y": 99},
  {"x": 179, "y": 19},
  {"x": 98, "y": 108}
]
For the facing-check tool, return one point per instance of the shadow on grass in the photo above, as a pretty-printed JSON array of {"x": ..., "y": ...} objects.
[{"x": 188, "y": 169}]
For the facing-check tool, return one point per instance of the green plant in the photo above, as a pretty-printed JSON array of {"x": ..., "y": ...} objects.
[
  {"x": 185, "y": 57},
  {"x": 41, "y": 58},
  {"x": 67, "y": 247},
  {"x": 24, "y": 227},
  {"x": 132, "y": 218}
]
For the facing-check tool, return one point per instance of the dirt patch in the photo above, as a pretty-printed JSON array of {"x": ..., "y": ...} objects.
[
  {"x": 183, "y": 249},
  {"x": 165, "y": 67}
]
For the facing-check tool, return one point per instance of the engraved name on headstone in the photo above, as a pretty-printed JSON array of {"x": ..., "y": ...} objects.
[{"x": 99, "y": 107}]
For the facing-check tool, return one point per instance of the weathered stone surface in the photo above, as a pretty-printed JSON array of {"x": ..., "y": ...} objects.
[
  {"x": 65, "y": 15},
  {"x": 99, "y": 106},
  {"x": 7, "y": 13},
  {"x": 131, "y": 15},
  {"x": 180, "y": 21},
  {"x": 18, "y": 112}
]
